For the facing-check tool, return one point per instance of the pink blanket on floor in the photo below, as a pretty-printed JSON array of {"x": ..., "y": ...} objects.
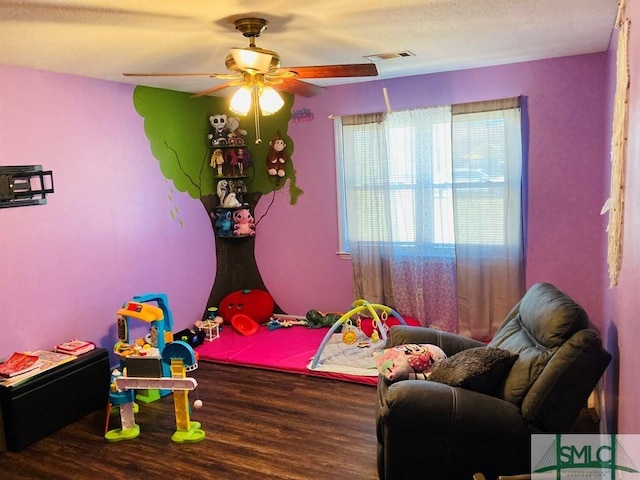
[{"x": 284, "y": 349}]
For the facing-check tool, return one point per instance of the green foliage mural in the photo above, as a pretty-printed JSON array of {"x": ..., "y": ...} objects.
[{"x": 177, "y": 126}]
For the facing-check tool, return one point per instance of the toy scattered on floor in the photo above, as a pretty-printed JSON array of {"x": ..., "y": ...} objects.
[
  {"x": 212, "y": 313},
  {"x": 313, "y": 319},
  {"x": 316, "y": 319},
  {"x": 285, "y": 321},
  {"x": 344, "y": 347},
  {"x": 211, "y": 329},
  {"x": 153, "y": 366},
  {"x": 255, "y": 304},
  {"x": 244, "y": 324},
  {"x": 194, "y": 336},
  {"x": 212, "y": 325},
  {"x": 181, "y": 358}
]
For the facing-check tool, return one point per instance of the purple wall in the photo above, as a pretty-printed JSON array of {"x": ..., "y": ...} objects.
[
  {"x": 106, "y": 234},
  {"x": 566, "y": 130},
  {"x": 622, "y": 309}
]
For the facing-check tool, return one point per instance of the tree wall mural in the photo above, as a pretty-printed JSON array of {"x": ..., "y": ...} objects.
[{"x": 177, "y": 126}]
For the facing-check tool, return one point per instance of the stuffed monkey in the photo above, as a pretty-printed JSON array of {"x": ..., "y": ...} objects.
[{"x": 276, "y": 158}]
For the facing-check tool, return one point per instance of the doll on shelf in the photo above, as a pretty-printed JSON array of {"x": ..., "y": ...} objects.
[{"x": 217, "y": 160}]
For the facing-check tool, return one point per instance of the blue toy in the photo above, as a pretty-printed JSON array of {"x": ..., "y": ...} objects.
[
  {"x": 224, "y": 223},
  {"x": 145, "y": 353},
  {"x": 153, "y": 366}
]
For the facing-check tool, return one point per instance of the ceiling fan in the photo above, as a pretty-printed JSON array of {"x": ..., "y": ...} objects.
[{"x": 254, "y": 65}]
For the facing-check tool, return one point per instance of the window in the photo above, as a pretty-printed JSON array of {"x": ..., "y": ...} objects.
[
  {"x": 438, "y": 179},
  {"x": 431, "y": 214}
]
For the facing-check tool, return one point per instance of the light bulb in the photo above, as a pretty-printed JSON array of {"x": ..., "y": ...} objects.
[
  {"x": 241, "y": 101},
  {"x": 270, "y": 101},
  {"x": 256, "y": 60}
]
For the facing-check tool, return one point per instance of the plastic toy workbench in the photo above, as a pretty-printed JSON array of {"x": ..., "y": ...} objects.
[{"x": 55, "y": 398}]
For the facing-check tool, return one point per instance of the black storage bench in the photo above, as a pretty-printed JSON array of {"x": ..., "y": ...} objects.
[{"x": 55, "y": 398}]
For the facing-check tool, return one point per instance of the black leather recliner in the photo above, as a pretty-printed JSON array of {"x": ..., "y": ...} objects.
[{"x": 429, "y": 430}]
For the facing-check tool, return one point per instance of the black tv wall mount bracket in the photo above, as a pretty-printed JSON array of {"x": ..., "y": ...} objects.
[{"x": 24, "y": 185}]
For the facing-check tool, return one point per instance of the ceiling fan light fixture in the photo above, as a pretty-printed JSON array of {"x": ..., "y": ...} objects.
[
  {"x": 252, "y": 59},
  {"x": 270, "y": 101},
  {"x": 241, "y": 100}
]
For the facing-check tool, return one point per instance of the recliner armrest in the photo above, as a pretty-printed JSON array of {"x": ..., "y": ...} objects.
[
  {"x": 450, "y": 343},
  {"x": 416, "y": 404},
  {"x": 448, "y": 429}
]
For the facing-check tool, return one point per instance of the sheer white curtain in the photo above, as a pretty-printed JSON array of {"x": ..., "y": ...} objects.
[
  {"x": 488, "y": 219},
  {"x": 433, "y": 212},
  {"x": 397, "y": 173},
  {"x": 368, "y": 212}
]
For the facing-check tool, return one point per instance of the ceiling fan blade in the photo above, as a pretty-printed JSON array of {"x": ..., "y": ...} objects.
[
  {"x": 211, "y": 90},
  {"x": 297, "y": 87},
  {"x": 331, "y": 71},
  {"x": 212, "y": 75}
]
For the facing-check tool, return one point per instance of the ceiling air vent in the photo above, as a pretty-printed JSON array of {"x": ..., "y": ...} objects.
[{"x": 390, "y": 55}]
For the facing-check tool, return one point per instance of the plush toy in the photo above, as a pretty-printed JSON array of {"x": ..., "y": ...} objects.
[
  {"x": 243, "y": 223},
  {"x": 276, "y": 158},
  {"x": 237, "y": 186},
  {"x": 223, "y": 223},
  {"x": 256, "y": 304},
  {"x": 227, "y": 198},
  {"x": 235, "y": 132},
  {"x": 219, "y": 131},
  {"x": 316, "y": 319}
]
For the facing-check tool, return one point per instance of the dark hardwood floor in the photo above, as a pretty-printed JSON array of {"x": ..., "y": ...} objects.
[{"x": 259, "y": 425}]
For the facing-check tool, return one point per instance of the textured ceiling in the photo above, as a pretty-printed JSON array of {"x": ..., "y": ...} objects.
[{"x": 104, "y": 38}]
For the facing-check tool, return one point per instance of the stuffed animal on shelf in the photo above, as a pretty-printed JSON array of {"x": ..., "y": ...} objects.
[
  {"x": 276, "y": 158},
  {"x": 227, "y": 198},
  {"x": 237, "y": 186},
  {"x": 235, "y": 132},
  {"x": 243, "y": 223},
  {"x": 223, "y": 223},
  {"x": 218, "y": 133}
]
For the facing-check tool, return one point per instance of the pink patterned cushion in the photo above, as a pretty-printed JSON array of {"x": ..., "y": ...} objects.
[{"x": 408, "y": 362}]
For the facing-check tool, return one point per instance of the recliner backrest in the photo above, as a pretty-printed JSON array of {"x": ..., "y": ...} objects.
[{"x": 549, "y": 332}]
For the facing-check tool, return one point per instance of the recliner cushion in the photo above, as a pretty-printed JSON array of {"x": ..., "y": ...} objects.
[{"x": 480, "y": 369}]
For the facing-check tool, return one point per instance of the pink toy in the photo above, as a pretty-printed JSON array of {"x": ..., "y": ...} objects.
[{"x": 243, "y": 222}]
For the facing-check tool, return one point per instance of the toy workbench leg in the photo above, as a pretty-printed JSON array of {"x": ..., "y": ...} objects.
[{"x": 129, "y": 428}]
